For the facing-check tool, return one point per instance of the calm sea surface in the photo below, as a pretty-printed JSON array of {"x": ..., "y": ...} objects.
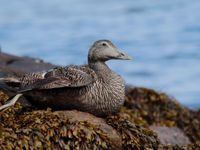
[{"x": 163, "y": 37}]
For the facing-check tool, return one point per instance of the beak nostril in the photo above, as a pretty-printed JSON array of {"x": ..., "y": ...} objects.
[{"x": 123, "y": 56}]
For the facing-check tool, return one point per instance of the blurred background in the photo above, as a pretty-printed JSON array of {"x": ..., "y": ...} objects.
[{"x": 163, "y": 37}]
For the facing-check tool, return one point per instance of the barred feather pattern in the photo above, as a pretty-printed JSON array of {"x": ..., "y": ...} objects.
[
  {"x": 92, "y": 88},
  {"x": 95, "y": 89}
]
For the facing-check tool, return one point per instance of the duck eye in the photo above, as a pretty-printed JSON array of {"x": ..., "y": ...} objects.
[{"x": 104, "y": 44}]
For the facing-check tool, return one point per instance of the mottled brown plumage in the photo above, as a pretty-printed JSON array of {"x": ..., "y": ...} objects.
[{"x": 92, "y": 88}]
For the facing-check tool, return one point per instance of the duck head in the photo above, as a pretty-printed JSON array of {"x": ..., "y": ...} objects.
[{"x": 103, "y": 50}]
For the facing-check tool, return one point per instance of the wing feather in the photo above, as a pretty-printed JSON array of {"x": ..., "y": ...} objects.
[{"x": 70, "y": 76}]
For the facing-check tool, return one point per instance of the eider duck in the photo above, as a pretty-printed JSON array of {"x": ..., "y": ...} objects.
[{"x": 92, "y": 88}]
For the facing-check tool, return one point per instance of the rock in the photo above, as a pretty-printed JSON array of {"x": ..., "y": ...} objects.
[
  {"x": 110, "y": 132},
  {"x": 159, "y": 109},
  {"x": 171, "y": 135},
  {"x": 47, "y": 129},
  {"x": 141, "y": 123},
  {"x": 194, "y": 146},
  {"x": 13, "y": 65}
]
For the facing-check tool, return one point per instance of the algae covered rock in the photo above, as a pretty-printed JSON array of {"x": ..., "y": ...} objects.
[
  {"x": 46, "y": 129},
  {"x": 131, "y": 128},
  {"x": 160, "y": 110},
  {"x": 133, "y": 136},
  {"x": 55, "y": 130},
  {"x": 194, "y": 146}
]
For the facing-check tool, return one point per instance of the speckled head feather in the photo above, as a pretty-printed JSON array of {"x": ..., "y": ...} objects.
[{"x": 104, "y": 50}]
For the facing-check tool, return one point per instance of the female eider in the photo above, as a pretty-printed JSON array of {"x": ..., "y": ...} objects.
[{"x": 92, "y": 88}]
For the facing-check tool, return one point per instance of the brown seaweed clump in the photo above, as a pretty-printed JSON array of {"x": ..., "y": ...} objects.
[
  {"x": 22, "y": 128},
  {"x": 50, "y": 130},
  {"x": 194, "y": 146},
  {"x": 133, "y": 136},
  {"x": 159, "y": 109},
  {"x": 47, "y": 129}
]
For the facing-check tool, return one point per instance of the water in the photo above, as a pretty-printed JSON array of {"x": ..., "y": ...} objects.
[{"x": 162, "y": 36}]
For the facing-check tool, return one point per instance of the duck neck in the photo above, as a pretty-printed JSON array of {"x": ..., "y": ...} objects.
[{"x": 101, "y": 69}]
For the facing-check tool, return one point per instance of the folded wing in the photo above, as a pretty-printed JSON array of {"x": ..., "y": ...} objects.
[{"x": 70, "y": 76}]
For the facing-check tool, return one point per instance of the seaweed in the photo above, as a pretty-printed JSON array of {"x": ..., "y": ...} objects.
[
  {"x": 160, "y": 109},
  {"x": 45, "y": 129},
  {"x": 22, "y": 128},
  {"x": 133, "y": 136}
]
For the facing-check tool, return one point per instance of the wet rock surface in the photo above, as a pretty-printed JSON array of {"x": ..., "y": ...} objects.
[
  {"x": 170, "y": 135},
  {"x": 148, "y": 120}
]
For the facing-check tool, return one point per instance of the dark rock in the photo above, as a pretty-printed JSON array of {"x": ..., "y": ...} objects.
[{"x": 13, "y": 65}]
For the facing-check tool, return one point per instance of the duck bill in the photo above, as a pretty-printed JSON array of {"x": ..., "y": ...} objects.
[{"x": 123, "y": 56}]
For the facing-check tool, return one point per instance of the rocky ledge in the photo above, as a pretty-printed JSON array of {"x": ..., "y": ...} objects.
[{"x": 148, "y": 120}]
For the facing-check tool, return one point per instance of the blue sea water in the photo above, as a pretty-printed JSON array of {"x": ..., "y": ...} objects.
[{"x": 163, "y": 37}]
